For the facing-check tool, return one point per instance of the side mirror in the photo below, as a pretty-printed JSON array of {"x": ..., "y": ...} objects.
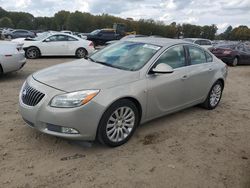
[
  {"x": 162, "y": 68},
  {"x": 46, "y": 40}
]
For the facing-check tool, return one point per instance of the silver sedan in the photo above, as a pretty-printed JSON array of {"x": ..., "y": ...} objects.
[
  {"x": 119, "y": 87},
  {"x": 11, "y": 57}
]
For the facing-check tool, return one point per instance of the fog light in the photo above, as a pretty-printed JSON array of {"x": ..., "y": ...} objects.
[{"x": 69, "y": 130}]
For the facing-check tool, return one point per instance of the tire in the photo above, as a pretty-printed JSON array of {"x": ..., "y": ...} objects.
[
  {"x": 235, "y": 62},
  {"x": 32, "y": 53},
  {"x": 113, "y": 130},
  {"x": 214, "y": 96},
  {"x": 81, "y": 53},
  {"x": 1, "y": 70},
  {"x": 9, "y": 37}
]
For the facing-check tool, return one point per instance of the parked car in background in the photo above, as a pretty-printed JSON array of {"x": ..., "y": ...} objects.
[
  {"x": 19, "y": 33},
  {"x": 5, "y": 31},
  {"x": 101, "y": 36},
  {"x": 11, "y": 57},
  {"x": 66, "y": 31},
  {"x": 56, "y": 44},
  {"x": 127, "y": 83},
  {"x": 205, "y": 43},
  {"x": 124, "y": 38},
  {"x": 233, "y": 54}
]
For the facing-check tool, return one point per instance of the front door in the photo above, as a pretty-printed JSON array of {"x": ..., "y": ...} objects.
[{"x": 167, "y": 92}]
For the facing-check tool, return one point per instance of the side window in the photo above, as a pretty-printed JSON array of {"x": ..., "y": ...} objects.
[
  {"x": 173, "y": 57},
  {"x": 53, "y": 38},
  {"x": 62, "y": 38},
  {"x": 56, "y": 38},
  {"x": 71, "y": 38},
  {"x": 205, "y": 42},
  {"x": 198, "y": 42},
  {"x": 197, "y": 55},
  {"x": 209, "y": 57}
]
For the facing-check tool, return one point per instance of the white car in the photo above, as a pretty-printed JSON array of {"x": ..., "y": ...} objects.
[
  {"x": 205, "y": 43},
  {"x": 56, "y": 44},
  {"x": 66, "y": 31},
  {"x": 11, "y": 57}
]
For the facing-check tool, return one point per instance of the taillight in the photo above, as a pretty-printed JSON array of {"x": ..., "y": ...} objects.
[
  {"x": 91, "y": 44},
  {"x": 227, "y": 52}
]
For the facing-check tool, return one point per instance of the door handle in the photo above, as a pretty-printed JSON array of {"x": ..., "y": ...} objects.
[
  {"x": 184, "y": 77},
  {"x": 210, "y": 69}
]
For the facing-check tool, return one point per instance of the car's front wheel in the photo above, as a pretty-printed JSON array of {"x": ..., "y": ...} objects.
[
  {"x": 118, "y": 123},
  {"x": 214, "y": 96},
  {"x": 32, "y": 53},
  {"x": 9, "y": 37}
]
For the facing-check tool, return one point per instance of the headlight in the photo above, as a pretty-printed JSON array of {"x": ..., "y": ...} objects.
[{"x": 75, "y": 99}]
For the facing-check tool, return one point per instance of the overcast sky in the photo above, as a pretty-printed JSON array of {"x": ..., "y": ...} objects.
[{"x": 201, "y": 12}]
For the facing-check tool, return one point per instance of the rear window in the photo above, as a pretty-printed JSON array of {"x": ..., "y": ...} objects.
[
  {"x": 209, "y": 57},
  {"x": 197, "y": 55}
]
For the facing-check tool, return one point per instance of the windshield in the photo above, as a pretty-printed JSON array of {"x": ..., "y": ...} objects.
[
  {"x": 95, "y": 32},
  {"x": 126, "y": 55}
]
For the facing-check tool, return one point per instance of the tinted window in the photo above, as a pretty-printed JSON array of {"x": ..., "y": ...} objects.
[
  {"x": 58, "y": 38},
  {"x": 71, "y": 38},
  {"x": 209, "y": 57},
  {"x": 197, "y": 55},
  {"x": 198, "y": 42},
  {"x": 205, "y": 42},
  {"x": 108, "y": 32},
  {"x": 173, "y": 57}
]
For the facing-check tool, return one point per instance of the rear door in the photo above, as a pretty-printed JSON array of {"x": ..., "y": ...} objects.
[{"x": 201, "y": 71}]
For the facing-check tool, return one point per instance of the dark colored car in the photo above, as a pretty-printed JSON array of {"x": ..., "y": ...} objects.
[
  {"x": 19, "y": 34},
  {"x": 101, "y": 36},
  {"x": 233, "y": 54}
]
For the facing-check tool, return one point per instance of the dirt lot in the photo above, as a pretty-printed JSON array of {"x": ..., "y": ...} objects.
[{"x": 192, "y": 148}]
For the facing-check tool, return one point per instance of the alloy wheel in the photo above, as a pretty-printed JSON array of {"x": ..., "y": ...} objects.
[
  {"x": 81, "y": 53},
  {"x": 215, "y": 95},
  {"x": 32, "y": 53},
  {"x": 120, "y": 124}
]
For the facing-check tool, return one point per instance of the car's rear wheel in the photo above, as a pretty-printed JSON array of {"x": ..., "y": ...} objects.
[
  {"x": 81, "y": 53},
  {"x": 235, "y": 61},
  {"x": 32, "y": 53},
  {"x": 1, "y": 70},
  {"x": 214, "y": 96},
  {"x": 118, "y": 123}
]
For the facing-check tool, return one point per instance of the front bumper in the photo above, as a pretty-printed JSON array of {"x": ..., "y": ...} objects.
[{"x": 84, "y": 119}]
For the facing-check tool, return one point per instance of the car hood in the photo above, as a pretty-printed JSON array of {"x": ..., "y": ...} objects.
[{"x": 83, "y": 74}]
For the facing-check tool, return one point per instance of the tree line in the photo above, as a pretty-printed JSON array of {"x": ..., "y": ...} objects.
[{"x": 85, "y": 22}]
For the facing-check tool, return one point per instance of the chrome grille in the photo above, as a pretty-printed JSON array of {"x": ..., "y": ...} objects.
[{"x": 31, "y": 96}]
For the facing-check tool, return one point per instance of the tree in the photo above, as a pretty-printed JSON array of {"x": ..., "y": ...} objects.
[
  {"x": 6, "y": 22},
  {"x": 61, "y": 19}
]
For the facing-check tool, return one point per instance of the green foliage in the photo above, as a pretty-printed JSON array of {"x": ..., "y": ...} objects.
[
  {"x": 86, "y": 22},
  {"x": 6, "y": 22}
]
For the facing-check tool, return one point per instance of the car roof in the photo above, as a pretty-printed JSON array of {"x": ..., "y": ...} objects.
[
  {"x": 164, "y": 42},
  {"x": 197, "y": 39}
]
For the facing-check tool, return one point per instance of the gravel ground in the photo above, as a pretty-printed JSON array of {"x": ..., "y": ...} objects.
[{"x": 192, "y": 148}]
